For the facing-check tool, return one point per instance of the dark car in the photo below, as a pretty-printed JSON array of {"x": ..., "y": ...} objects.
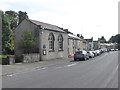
[{"x": 81, "y": 55}]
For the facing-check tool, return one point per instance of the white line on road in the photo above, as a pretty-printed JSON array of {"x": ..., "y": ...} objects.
[
  {"x": 39, "y": 68},
  {"x": 70, "y": 65},
  {"x": 10, "y": 75},
  {"x": 23, "y": 72}
]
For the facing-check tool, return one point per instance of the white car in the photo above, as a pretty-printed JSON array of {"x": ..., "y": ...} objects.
[
  {"x": 95, "y": 53},
  {"x": 91, "y": 54},
  {"x": 98, "y": 52},
  {"x": 112, "y": 49}
]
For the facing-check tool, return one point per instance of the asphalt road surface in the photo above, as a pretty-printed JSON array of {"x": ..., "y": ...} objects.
[{"x": 99, "y": 72}]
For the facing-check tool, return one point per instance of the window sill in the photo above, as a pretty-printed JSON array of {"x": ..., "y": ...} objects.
[{"x": 60, "y": 50}]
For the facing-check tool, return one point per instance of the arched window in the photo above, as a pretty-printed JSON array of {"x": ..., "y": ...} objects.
[
  {"x": 51, "y": 42},
  {"x": 60, "y": 42}
]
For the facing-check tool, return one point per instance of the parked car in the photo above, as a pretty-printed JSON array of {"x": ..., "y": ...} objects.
[
  {"x": 105, "y": 49},
  {"x": 108, "y": 50},
  {"x": 95, "y": 53},
  {"x": 102, "y": 51},
  {"x": 116, "y": 49},
  {"x": 81, "y": 55},
  {"x": 112, "y": 49},
  {"x": 98, "y": 52},
  {"x": 91, "y": 54}
]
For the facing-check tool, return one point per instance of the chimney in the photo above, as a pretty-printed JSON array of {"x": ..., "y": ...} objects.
[
  {"x": 66, "y": 30},
  {"x": 78, "y": 35},
  {"x": 92, "y": 38}
]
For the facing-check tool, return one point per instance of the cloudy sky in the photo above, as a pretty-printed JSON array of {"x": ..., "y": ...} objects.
[{"x": 92, "y": 18}]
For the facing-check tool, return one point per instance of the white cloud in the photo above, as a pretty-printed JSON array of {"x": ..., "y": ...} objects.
[{"x": 91, "y": 17}]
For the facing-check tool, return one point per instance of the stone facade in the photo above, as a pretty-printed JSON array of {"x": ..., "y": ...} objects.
[
  {"x": 84, "y": 44},
  {"x": 56, "y": 53},
  {"x": 30, "y": 58},
  {"x": 90, "y": 44},
  {"x": 96, "y": 45},
  {"x": 42, "y": 31},
  {"x": 74, "y": 43}
]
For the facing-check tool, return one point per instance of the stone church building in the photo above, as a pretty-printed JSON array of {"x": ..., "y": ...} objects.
[{"x": 51, "y": 42}]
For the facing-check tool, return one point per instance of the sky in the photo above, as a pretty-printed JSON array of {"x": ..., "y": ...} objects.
[{"x": 91, "y": 18}]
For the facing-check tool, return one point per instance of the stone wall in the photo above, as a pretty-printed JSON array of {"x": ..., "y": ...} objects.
[
  {"x": 9, "y": 60},
  {"x": 30, "y": 58}
]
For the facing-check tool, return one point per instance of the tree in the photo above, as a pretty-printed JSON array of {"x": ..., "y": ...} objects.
[
  {"x": 7, "y": 36},
  {"x": 22, "y": 16},
  {"x": 115, "y": 39},
  {"x": 27, "y": 41},
  {"x": 12, "y": 19},
  {"x": 102, "y": 40}
]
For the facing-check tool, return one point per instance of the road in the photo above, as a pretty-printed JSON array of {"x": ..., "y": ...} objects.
[{"x": 99, "y": 72}]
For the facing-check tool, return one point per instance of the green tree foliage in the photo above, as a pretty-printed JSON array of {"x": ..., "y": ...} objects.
[
  {"x": 115, "y": 39},
  {"x": 27, "y": 41},
  {"x": 22, "y": 16},
  {"x": 7, "y": 36},
  {"x": 12, "y": 18},
  {"x": 102, "y": 40}
]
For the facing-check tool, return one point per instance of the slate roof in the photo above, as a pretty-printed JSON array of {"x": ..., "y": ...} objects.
[
  {"x": 84, "y": 41},
  {"x": 47, "y": 26},
  {"x": 89, "y": 40},
  {"x": 107, "y": 44},
  {"x": 73, "y": 36}
]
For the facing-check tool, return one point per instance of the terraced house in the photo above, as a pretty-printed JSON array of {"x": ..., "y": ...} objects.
[
  {"x": 51, "y": 42},
  {"x": 74, "y": 43}
]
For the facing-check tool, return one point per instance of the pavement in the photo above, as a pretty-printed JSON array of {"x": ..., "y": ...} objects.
[{"x": 25, "y": 67}]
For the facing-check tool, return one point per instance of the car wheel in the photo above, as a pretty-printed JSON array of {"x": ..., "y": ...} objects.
[
  {"x": 85, "y": 59},
  {"x": 74, "y": 59}
]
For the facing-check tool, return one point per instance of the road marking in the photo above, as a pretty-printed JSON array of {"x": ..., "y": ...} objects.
[
  {"x": 43, "y": 68},
  {"x": 70, "y": 65},
  {"x": 23, "y": 72},
  {"x": 39, "y": 68},
  {"x": 10, "y": 75}
]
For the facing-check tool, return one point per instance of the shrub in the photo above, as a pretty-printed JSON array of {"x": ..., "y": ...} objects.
[{"x": 27, "y": 41}]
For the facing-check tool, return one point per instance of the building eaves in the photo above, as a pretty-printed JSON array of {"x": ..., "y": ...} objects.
[
  {"x": 73, "y": 36},
  {"x": 89, "y": 40},
  {"x": 47, "y": 26}
]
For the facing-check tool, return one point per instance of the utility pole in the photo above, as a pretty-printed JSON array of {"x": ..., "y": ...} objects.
[{"x": 40, "y": 41}]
